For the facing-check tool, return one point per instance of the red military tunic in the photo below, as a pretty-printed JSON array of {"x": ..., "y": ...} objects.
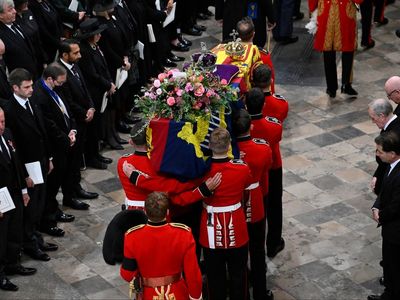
[
  {"x": 337, "y": 28},
  {"x": 258, "y": 156},
  {"x": 275, "y": 106},
  {"x": 266, "y": 59},
  {"x": 226, "y": 229},
  {"x": 141, "y": 162},
  {"x": 159, "y": 250},
  {"x": 138, "y": 192},
  {"x": 269, "y": 129}
]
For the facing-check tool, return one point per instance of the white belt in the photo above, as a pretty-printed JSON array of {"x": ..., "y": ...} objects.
[
  {"x": 253, "y": 186},
  {"x": 210, "y": 219},
  {"x": 137, "y": 203},
  {"x": 221, "y": 209}
]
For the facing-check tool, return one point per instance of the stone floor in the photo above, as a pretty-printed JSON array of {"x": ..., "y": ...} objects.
[{"x": 333, "y": 247}]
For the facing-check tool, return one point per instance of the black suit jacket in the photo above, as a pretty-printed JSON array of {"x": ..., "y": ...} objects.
[
  {"x": 76, "y": 94},
  {"x": 5, "y": 88},
  {"x": 380, "y": 170},
  {"x": 95, "y": 70},
  {"x": 57, "y": 128},
  {"x": 29, "y": 133},
  {"x": 388, "y": 203},
  {"x": 20, "y": 52},
  {"x": 12, "y": 174},
  {"x": 50, "y": 26}
]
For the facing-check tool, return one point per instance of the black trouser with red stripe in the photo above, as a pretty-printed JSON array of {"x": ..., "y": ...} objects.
[
  {"x": 257, "y": 259},
  {"x": 217, "y": 261},
  {"x": 273, "y": 208}
]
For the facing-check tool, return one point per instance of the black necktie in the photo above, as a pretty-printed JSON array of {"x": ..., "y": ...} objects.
[
  {"x": 6, "y": 154},
  {"x": 76, "y": 74},
  {"x": 17, "y": 30},
  {"x": 28, "y": 107}
]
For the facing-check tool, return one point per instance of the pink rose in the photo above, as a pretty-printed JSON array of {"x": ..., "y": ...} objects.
[
  {"x": 200, "y": 78},
  {"x": 179, "y": 92},
  {"x": 188, "y": 87},
  {"x": 199, "y": 90},
  {"x": 161, "y": 76},
  {"x": 158, "y": 91},
  {"x": 224, "y": 82},
  {"x": 171, "y": 101},
  {"x": 157, "y": 83}
]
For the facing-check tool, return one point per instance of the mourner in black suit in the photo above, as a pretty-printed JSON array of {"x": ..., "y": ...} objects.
[
  {"x": 13, "y": 178},
  {"x": 5, "y": 88},
  {"x": 62, "y": 130},
  {"x": 50, "y": 26},
  {"x": 77, "y": 96},
  {"x": 381, "y": 113},
  {"x": 26, "y": 121},
  {"x": 20, "y": 52},
  {"x": 386, "y": 211},
  {"x": 27, "y": 21},
  {"x": 98, "y": 80},
  {"x": 392, "y": 89}
]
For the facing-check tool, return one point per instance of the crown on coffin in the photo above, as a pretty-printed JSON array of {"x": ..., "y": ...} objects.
[
  {"x": 204, "y": 59},
  {"x": 234, "y": 49}
]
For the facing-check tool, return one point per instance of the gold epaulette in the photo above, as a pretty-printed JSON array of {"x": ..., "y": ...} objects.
[
  {"x": 180, "y": 225},
  {"x": 134, "y": 228}
]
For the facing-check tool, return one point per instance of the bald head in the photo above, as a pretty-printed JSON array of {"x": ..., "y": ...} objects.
[{"x": 392, "y": 89}]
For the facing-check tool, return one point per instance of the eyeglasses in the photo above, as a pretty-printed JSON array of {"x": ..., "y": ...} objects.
[{"x": 390, "y": 94}]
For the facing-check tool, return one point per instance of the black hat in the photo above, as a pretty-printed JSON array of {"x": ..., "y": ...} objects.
[
  {"x": 103, "y": 5},
  {"x": 89, "y": 28}
]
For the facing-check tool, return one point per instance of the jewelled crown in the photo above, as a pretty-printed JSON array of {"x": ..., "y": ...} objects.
[
  {"x": 235, "y": 49},
  {"x": 204, "y": 59}
]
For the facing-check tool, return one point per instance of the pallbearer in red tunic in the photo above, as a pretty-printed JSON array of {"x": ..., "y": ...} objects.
[
  {"x": 258, "y": 156},
  {"x": 269, "y": 129},
  {"x": 336, "y": 31},
  {"x": 161, "y": 256},
  {"x": 223, "y": 230},
  {"x": 135, "y": 195},
  {"x": 274, "y": 105}
]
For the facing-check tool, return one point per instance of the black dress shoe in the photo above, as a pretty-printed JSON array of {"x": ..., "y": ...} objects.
[
  {"x": 398, "y": 33},
  {"x": 77, "y": 204},
  {"x": 7, "y": 285},
  {"x": 370, "y": 44},
  {"x": 287, "y": 39},
  {"x": 180, "y": 47},
  {"x": 37, "y": 255},
  {"x": 48, "y": 247},
  {"x": 175, "y": 58},
  {"x": 382, "y": 22},
  {"x": 331, "y": 94},
  {"x": 270, "y": 295},
  {"x": 81, "y": 193},
  {"x": 208, "y": 13},
  {"x": 53, "y": 231},
  {"x": 193, "y": 31},
  {"x": 96, "y": 164},
  {"x": 382, "y": 281},
  {"x": 65, "y": 218},
  {"x": 199, "y": 27},
  {"x": 123, "y": 127},
  {"x": 374, "y": 297},
  {"x": 202, "y": 16},
  {"x": 298, "y": 16},
  {"x": 19, "y": 270},
  {"x": 271, "y": 253},
  {"x": 114, "y": 145},
  {"x": 184, "y": 41},
  {"x": 169, "y": 63},
  {"x": 348, "y": 90},
  {"x": 104, "y": 159}
]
